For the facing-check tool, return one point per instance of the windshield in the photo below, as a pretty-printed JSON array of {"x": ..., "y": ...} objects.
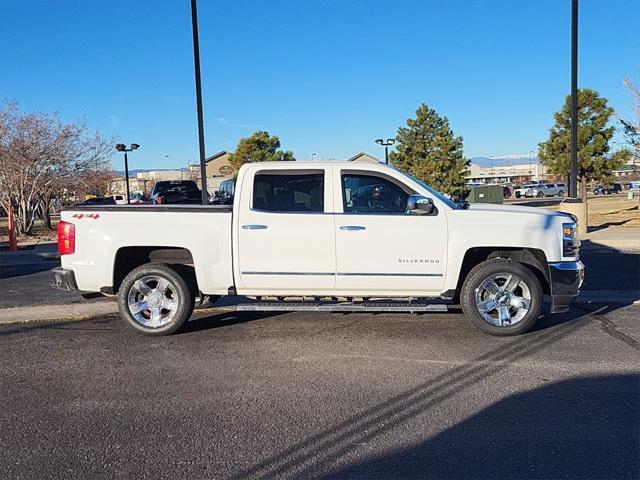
[{"x": 447, "y": 201}]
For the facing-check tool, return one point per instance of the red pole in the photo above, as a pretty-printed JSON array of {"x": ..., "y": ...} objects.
[{"x": 13, "y": 244}]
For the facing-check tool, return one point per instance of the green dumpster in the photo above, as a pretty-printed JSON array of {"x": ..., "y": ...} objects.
[{"x": 486, "y": 194}]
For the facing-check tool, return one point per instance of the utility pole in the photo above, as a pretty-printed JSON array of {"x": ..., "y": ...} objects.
[
  {"x": 196, "y": 63},
  {"x": 573, "y": 178}
]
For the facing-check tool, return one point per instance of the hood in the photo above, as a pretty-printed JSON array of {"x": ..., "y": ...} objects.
[{"x": 490, "y": 207}]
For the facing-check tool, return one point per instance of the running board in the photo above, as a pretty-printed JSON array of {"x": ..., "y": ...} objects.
[{"x": 301, "y": 306}]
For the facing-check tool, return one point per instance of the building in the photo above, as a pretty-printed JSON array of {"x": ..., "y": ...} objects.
[
  {"x": 520, "y": 173},
  {"x": 136, "y": 184},
  {"x": 158, "y": 175},
  {"x": 363, "y": 157},
  {"x": 629, "y": 172}
]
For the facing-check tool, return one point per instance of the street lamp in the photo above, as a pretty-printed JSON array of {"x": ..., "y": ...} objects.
[
  {"x": 121, "y": 147},
  {"x": 382, "y": 143},
  {"x": 313, "y": 155},
  {"x": 530, "y": 171}
]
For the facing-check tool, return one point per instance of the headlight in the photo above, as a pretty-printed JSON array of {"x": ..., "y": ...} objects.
[{"x": 570, "y": 242}]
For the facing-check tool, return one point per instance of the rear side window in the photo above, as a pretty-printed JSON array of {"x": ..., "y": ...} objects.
[{"x": 289, "y": 192}]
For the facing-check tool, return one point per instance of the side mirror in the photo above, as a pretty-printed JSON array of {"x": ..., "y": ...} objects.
[{"x": 417, "y": 204}]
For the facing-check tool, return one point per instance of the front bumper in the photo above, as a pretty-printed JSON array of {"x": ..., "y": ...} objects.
[
  {"x": 566, "y": 279},
  {"x": 64, "y": 279}
]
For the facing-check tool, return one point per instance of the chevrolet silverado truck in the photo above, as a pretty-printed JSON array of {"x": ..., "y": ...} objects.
[{"x": 324, "y": 235}]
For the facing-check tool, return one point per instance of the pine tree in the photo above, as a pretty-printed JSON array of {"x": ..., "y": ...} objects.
[
  {"x": 595, "y": 163},
  {"x": 427, "y": 149},
  {"x": 259, "y": 147}
]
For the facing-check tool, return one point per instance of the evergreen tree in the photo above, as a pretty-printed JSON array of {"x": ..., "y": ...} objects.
[
  {"x": 259, "y": 147},
  {"x": 595, "y": 162},
  {"x": 427, "y": 149}
]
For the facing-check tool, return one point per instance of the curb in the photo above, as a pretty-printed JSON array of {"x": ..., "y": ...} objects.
[
  {"x": 74, "y": 312},
  {"x": 50, "y": 313}
]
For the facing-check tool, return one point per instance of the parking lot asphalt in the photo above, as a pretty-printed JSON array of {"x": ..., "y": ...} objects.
[{"x": 239, "y": 396}]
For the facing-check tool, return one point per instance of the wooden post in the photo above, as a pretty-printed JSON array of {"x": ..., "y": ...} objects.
[{"x": 13, "y": 243}]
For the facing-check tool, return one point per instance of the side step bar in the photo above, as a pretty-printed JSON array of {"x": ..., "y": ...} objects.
[{"x": 318, "y": 306}]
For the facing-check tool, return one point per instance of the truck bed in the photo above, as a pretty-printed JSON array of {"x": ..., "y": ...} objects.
[{"x": 106, "y": 233}]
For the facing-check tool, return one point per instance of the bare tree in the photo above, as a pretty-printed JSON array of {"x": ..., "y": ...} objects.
[
  {"x": 40, "y": 157},
  {"x": 631, "y": 127}
]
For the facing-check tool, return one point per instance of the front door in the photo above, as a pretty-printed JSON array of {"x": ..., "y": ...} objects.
[
  {"x": 285, "y": 237},
  {"x": 380, "y": 248}
]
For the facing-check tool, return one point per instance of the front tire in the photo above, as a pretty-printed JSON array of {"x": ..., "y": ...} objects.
[
  {"x": 501, "y": 297},
  {"x": 155, "y": 299}
]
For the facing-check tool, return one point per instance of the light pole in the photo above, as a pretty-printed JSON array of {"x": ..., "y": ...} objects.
[
  {"x": 313, "y": 155},
  {"x": 121, "y": 147},
  {"x": 196, "y": 64},
  {"x": 530, "y": 171},
  {"x": 382, "y": 143},
  {"x": 573, "y": 179}
]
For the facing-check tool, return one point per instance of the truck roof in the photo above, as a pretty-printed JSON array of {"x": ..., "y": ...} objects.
[{"x": 316, "y": 163}]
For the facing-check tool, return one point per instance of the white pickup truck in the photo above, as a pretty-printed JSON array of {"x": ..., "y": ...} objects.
[{"x": 324, "y": 235}]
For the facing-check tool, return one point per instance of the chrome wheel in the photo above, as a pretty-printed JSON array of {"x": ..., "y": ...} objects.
[
  {"x": 503, "y": 299},
  {"x": 152, "y": 301}
]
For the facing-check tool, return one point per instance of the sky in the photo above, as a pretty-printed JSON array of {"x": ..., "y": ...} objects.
[{"x": 327, "y": 76}]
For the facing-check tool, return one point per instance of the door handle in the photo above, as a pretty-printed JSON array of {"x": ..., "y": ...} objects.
[
  {"x": 352, "y": 228},
  {"x": 254, "y": 227}
]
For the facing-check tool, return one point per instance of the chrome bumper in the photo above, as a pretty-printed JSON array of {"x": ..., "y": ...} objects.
[{"x": 566, "y": 279}]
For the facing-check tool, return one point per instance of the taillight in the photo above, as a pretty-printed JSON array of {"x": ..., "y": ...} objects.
[
  {"x": 66, "y": 238},
  {"x": 159, "y": 200}
]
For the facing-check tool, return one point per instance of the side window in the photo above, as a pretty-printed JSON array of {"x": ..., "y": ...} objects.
[
  {"x": 368, "y": 194},
  {"x": 289, "y": 192}
]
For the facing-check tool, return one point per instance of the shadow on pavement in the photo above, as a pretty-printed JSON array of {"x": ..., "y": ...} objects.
[
  {"x": 608, "y": 268},
  {"x": 315, "y": 454},
  {"x": 21, "y": 269},
  {"x": 579, "y": 428},
  {"x": 224, "y": 319}
]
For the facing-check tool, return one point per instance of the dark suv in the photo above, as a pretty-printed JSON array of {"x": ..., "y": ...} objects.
[
  {"x": 224, "y": 195},
  {"x": 600, "y": 190},
  {"x": 173, "y": 192}
]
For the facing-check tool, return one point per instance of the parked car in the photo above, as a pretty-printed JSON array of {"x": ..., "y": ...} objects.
[
  {"x": 224, "y": 194},
  {"x": 506, "y": 192},
  {"x": 119, "y": 199},
  {"x": 632, "y": 185},
  {"x": 99, "y": 201},
  {"x": 171, "y": 192},
  {"x": 324, "y": 229},
  {"x": 523, "y": 189},
  {"x": 601, "y": 190},
  {"x": 544, "y": 190}
]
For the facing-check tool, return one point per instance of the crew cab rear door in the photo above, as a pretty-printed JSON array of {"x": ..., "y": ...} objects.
[{"x": 284, "y": 230}]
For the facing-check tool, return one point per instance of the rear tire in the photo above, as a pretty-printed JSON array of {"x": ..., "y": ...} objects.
[
  {"x": 540, "y": 195},
  {"x": 155, "y": 299},
  {"x": 501, "y": 297}
]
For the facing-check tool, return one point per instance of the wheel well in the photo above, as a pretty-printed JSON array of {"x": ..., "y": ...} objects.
[
  {"x": 128, "y": 258},
  {"x": 534, "y": 259}
]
